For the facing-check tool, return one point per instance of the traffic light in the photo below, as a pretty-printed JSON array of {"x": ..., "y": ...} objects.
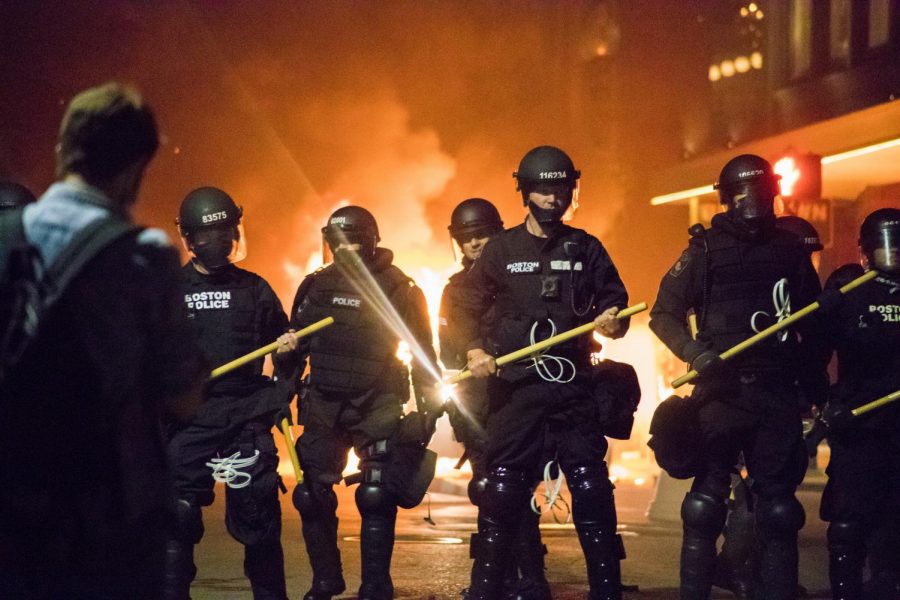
[{"x": 801, "y": 176}]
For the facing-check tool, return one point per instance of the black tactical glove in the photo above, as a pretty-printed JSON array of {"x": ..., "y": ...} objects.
[
  {"x": 836, "y": 416},
  {"x": 285, "y": 412},
  {"x": 707, "y": 364},
  {"x": 829, "y": 300}
]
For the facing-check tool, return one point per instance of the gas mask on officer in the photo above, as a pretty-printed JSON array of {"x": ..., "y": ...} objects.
[
  {"x": 216, "y": 247},
  {"x": 562, "y": 207}
]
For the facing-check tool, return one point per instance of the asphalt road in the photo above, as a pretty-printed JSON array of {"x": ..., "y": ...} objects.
[{"x": 432, "y": 561}]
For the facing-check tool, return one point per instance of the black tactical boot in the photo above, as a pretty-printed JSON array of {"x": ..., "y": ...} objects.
[
  {"x": 602, "y": 554},
  {"x": 488, "y": 566},
  {"x": 529, "y": 561},
  {"x": 180, "y": 570},
  {"x": 376, "y": 548},
  {"x": 324, "y": 558},
  {"x": 264, "y": 567},
  {"x": 845, "y": 570}
]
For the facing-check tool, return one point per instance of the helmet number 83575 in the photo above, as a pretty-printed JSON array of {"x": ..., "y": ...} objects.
[{"x": 216, "y": 216}]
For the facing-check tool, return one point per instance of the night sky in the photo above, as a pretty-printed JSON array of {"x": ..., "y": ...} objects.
[{"x": 406, "y": 108}]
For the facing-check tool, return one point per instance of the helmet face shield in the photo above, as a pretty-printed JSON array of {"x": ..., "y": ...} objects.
[
  {"x": 216, "y": 246},
  {"x": 883, "y": 251},
  {"x": 750, "y": 201}
]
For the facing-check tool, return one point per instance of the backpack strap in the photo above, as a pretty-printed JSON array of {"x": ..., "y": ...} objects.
[{"x": 86, "y": 244}]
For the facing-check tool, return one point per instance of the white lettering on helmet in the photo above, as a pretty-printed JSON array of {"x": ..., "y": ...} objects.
[
  {"x": 338, "y": 220},
  {"x": 213, "y": 217},
  {"x": 743, "y": 174},
  {"x": 552, "y": 175}
]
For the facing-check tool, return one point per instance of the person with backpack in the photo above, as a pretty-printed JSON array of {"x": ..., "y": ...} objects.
[{"x": 106, "y": 356}]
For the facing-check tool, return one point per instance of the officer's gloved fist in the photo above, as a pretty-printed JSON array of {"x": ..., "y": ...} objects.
[
  {"x": 707, "y": 364},
  {"x": 836, "y": 416},
  {"x": 607, "y": 324},
  {"x": 284, "y": 413},
  {"x": 480, "y": 363}
]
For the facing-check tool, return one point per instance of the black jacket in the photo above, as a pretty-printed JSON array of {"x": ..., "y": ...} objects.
[
  {"x": 521, "y": 280},
  {"x": 233, "y": 313},
  {"x": 864, "y": 330},
  {"x": 726, "y": 278}
]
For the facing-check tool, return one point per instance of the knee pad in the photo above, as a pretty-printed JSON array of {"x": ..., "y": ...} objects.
[
  {"x": 475, "y": 489},
  {"x": 506, "y": 494},
  {"x": 846, "y": 533},
  {"x": 314, "y": 501},
  {"x": 374, "y": 500},
  {"x": 703, "y": 515},
  {"x": 780, "y": 517},
  {"x": 188, "y": 522}
]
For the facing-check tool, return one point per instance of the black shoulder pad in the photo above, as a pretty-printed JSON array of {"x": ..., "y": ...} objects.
[
  {"x": 697, "y": 230},
  {"x": 844, "y": 275}
]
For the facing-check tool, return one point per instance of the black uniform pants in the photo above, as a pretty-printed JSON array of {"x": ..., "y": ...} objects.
[
  {"x": 863, "y": 494},
  {"x": 331, "y": 428},
  {"x": 522, "y": 415},
  {"x": 252, "y": 512},
  {"x": 760, "y": 418}
]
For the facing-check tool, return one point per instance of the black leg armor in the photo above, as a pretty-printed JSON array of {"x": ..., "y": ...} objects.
[
  {"x": 317, "y": 505},
  {"x": 594, "y": 513},
  {"x": 846, "y": 556},
  {"x": 778, "y": 519},
  {"x": 379, "y": 515},
  {"x": 703, "y": 518}
]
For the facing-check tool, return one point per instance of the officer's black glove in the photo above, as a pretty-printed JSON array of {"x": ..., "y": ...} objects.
[
  {"x": 707, "y": 364},
  {"x": 284, "y": 413},
  {"x": 836, "y": 416},
  {"x": 814, "y": 437},
  {"x": 829, "y": 300}
]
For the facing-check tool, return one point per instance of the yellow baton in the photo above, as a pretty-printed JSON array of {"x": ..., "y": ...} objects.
[
  {"x": 292, "y": 451},
  {"x": 769, "y": 331},
  {"x": 550, "y": 341},
  {"x": 268, "y": 349},
  {"x": 861, "y": 410}
]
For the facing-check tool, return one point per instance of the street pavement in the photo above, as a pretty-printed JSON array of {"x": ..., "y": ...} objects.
[{"x": 431, "y": 561}]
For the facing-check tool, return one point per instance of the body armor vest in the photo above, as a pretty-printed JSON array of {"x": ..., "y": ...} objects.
[
  {"x": 541, "y": 285},
  {"x": 358, "y": 352},
  {"x": 740, "y": 279},
  {"x": 223, "y": 309}
]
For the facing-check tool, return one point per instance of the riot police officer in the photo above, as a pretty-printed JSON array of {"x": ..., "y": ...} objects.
[
  {"x": 356, "y": 390},
  {"x": 734, "y": 568},
  {"x": 533, "y": 280},
  {"x": 739, "y": 276},
  {"x": 14, "y": 195},
  {"x": 473, "y": 222},
  {"x": 234, "y": 312},
  {"x": 862, "y": 497}
]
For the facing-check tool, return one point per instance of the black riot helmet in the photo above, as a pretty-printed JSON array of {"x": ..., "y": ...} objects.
[
  {"x": 879, "y": 239},
  {"x": 352, "y": 225},
  {"x": 747, "y": 186},
  {"x": 474, "y": 217},
  {"x": 14, "y": 195},
  {"x": 548, "y": 170},
  {"x": 803, "y": 230},
  {"x": 209, "y": 222}
]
